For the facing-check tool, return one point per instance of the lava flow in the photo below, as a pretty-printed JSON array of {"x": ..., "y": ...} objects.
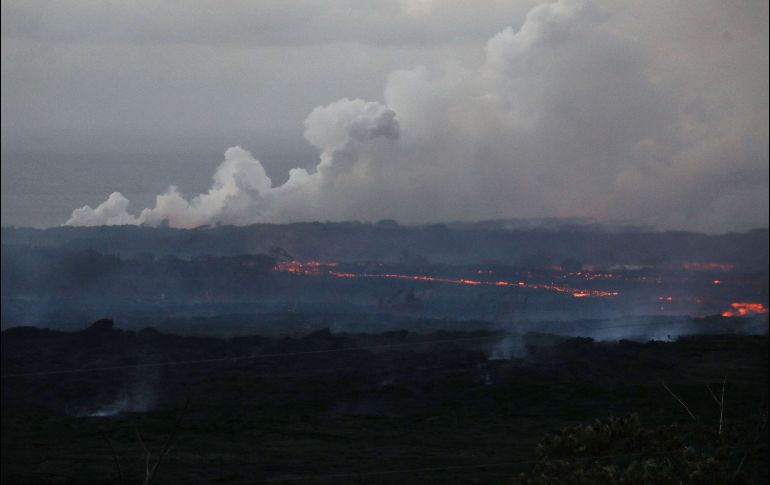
[
  {"x": 303, "y": 268},
  {"x": 701, "y": 266},
  {"x": 316, "y": 268},
  {"x": 743, "y": 309}
]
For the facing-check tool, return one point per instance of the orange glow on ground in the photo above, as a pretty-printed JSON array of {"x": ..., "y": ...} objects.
[
  {"x": 700, "y": 266},
  {"x": 316, "y": 268},
  {"x": 742, "y": 309}
]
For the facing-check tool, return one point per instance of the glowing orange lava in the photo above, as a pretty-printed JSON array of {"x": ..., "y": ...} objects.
[
  {"x": 298, "y": 267},
  {"x": 742, "y": 309},
  {"x": 317, "y": 268},
  {"x": 700, "y": 266}
]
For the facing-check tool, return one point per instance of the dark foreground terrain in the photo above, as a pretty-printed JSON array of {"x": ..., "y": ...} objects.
[{"x": 440, "y": 407}]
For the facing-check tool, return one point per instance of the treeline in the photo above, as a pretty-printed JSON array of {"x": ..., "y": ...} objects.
[
  {"x": 437, "y": 243},
  {"x": 52, "y": 271}
]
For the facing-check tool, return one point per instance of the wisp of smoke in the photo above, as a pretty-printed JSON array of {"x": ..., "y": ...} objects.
[{"x": 510, "y": 347}]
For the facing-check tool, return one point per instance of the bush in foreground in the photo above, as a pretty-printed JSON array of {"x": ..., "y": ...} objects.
[{"x": 620, "y": 450}]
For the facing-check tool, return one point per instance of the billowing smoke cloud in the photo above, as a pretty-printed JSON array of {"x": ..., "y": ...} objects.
[
  {"x": 242, "y": 193},
  {"x": 563, "y": 117}
]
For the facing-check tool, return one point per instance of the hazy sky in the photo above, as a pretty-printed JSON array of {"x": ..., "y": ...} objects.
[{"x": 422, "y": 110}]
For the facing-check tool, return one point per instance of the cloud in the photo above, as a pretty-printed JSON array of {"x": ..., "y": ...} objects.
[
  {"x": 242, "y": 193},
  {"x": 264, "y": 23},
  {"x": 111, "y": 212},
  {"x": 417, "y": 8},
  {"x": 563, "y": 116}
]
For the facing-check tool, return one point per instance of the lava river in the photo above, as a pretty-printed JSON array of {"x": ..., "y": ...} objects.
[{"x": 316, "y": 268}]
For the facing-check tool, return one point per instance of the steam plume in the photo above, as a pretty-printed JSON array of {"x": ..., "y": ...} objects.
[{"x": 563, "y": 118}]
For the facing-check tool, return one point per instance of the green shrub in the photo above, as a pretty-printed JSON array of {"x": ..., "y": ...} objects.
[{"x": 620, "y": 450}]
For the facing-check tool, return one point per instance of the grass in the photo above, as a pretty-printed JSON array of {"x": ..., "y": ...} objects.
[{"x": 247, "y": 424}]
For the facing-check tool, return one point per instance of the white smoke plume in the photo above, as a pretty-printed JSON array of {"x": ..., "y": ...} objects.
[{"x": 564, "y": 117}]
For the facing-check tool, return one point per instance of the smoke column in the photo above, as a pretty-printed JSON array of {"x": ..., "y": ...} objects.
[{"x": 562, "y": 118}]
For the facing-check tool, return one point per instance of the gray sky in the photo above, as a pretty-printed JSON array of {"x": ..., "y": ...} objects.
[{"x": 652, "y": 111}]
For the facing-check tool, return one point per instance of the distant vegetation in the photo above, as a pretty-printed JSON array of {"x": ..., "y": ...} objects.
[
  {"x": 388, "y": 242},
  {"x": 56, "y": 271}
]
